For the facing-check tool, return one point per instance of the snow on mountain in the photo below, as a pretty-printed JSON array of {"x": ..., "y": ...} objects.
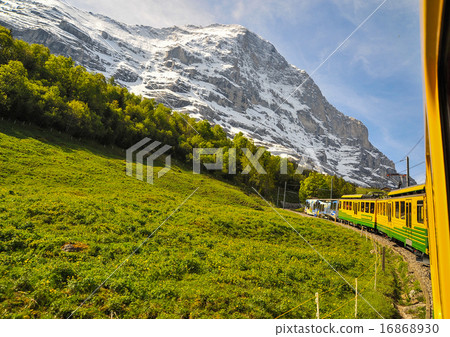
[{"x": 223, "y": 73}]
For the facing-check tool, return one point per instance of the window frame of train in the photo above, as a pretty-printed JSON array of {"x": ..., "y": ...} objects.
[
  {"x": 372, "y": 208},
  {"x": 419, "y": 208},
  {"x": 402, "y": 210},
  {"x": 408, "y": 213}
]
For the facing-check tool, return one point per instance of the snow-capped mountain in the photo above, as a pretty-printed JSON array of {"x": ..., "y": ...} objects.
[{"x": 223, "y": 73}]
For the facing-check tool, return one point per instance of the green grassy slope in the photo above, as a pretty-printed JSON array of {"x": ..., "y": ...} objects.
[{"x": 224, "y": 254}]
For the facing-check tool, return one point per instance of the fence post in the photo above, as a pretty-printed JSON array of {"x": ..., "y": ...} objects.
[
  {"x": 376, "y": 263},
  {"x": 317, "y": 305},
  {"x": 356, "y": 297}
]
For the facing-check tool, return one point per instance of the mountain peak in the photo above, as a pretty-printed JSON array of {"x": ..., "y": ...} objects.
[{"x": 223, "y": 73}]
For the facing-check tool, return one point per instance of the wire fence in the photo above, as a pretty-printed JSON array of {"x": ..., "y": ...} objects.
[
  {"x": 351, "y": 299},
  {"x": 376, "y": 263}
]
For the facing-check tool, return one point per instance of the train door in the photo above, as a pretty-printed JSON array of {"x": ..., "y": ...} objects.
[
  {"x": 389, "y": 208},
  {"x": 355, "y": 208},
  {"x": 408, "y": 216}
]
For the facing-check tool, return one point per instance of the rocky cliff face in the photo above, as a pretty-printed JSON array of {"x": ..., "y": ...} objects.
[{"x": 223, "y": 73}]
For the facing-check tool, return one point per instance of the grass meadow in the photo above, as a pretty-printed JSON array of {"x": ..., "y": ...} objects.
[{"x": 223, "y": 254}]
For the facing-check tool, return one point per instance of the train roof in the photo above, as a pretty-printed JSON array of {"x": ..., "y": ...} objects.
[
  {"x": 352, "y": 196},
  {"x": 417, "y": 189},
  {"x": 321, "y": 199}
]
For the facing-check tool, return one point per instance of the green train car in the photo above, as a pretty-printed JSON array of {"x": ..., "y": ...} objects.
[
  {"x": 358, "y": 209},
  {"x": 400, "y": 216}
]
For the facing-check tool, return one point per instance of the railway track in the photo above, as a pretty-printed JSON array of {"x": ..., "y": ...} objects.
[{"x": 420, "y": 270}]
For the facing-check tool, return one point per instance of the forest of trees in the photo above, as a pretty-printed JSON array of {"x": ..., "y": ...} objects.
[{"x": 52, "y": 92}]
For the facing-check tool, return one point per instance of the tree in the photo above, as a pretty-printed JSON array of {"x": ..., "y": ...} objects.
[
  {"x": 313, "y": 186},
  {"x": 15, "y": 90},
  {"x": 6, "y": 45}
]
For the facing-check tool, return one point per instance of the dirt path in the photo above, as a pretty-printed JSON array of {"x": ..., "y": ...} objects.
[{"x": 420, "y": 271}]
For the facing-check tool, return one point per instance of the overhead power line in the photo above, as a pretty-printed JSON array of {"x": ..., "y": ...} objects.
[
  {"x": 418, "y": 142},
  {"x": 412, "y": 149},
  {"x": 423, "y": 162}
]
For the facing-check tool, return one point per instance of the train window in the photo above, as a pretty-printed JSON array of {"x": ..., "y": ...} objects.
[
  {"x": 402, "y": 209},
  {"x": 350, "y": 206},
  {"x": 420, "y": 211},
  {"x": 372, "y": 207},
  {"x": 367, "y": 207},
  {"x": 397, "y": 210},
  {"x": 384, "y": 208},
  {"x": 362, "y": 207},
  {"x": 389, "y": 210}
]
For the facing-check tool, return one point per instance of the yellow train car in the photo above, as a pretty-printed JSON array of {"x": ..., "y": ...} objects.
[
  {"x": 402, "y": 217},
  {"x": 436, "y": 65},
  {"x": 358, "y": 210}
]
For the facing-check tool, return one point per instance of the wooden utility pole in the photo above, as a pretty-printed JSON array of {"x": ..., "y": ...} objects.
[
  {"x": 284, "y": 198},
  {"x": 278, "y": 194},
  {"x": 407, "y": 171},
  {"x": 331, "y": 192}
]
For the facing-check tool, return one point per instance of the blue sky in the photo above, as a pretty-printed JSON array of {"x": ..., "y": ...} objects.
[{"x": 375, "y": 76}]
